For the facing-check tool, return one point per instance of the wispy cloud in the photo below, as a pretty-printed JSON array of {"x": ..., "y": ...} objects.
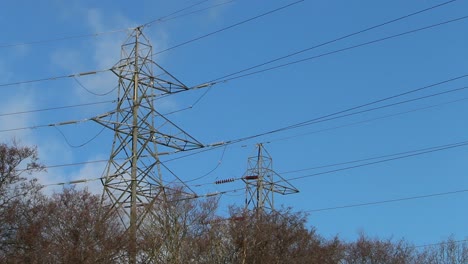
[{"x": 12, "y": 104}]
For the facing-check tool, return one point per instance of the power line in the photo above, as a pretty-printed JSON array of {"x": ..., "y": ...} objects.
[
  {"x": 53, "y": 78},
  {"x": 387, "y": 201},
  {"x": 213, "y": 146},
  {"x": 212, "y": 170},
  {"x": 400, "y": 155},
  {"x": 441, "y": 148},
  {"x": 335, "y": 40},
  {"x": 370, "y": 158},
  {"x": 382, "y": 107},
  {"x": 168, "y": 17},
  {"x": 94, "y": 93},
  {"x": 97, "y": 34},
  {"x": 195, "y": 196},
  {"x": 56, "y": 108},
  {"x": 333, "y": 115},
  {"x": 328, "y": 53},
  {"x": 164, "y": 18},
  {"x": 199, "y": 10},
  {"x": 367, "y": 120},
  {"x": 229, "y": 27},
  {"x": 441, "y": 243},
  {"x": 208, "y": 84},
  {"x": 46, "y": 125},
  {"x": 37, "y": 42},
  {"x": 221, "y": 144},
  {"x": 410, "y": 153},
  {"x": 84, "y": 143},
  {"x": 69, "y": 122}
]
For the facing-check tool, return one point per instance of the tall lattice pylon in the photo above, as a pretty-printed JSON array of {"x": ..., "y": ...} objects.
[
  {"x": 133, "y": 180},
  {"x": 262, "y": 182}
]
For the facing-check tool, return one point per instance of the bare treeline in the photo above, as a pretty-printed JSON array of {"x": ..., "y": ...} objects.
[{"x": 73, "y": 226}]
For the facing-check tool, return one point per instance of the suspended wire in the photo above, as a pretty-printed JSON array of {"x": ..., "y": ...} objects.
[
  {"x": 335, "y": 40},
  {"x": 381, "y": 107},
  {"x": 387, "y": 201},
  {"x": 213, "y": 146},
  {"x": 201, "y": 97},
  {"x": 164, "y": 18},
  {"x": 365, "y": 121},
  {"x": 229, "y": 27},
  {"x": 69, "y": 122},
  {"x": 411, "y": 152},
  {"x": 7, "y": 45},
  {"x": 371, "y": 158},
  {"x": 71, "y": 182},
  {"x": 402, "y": 155},
  {"x": 327, "y": 53},
  {"x": 194, "y": 196},
  {"x": 93, "y": 93},
  {"x": 45, "y": 125},
  {"x": 198, "y": 11},
  {"x": 240, "y": 76},
  {"x": 77, "y": 163},
  {"x": 97, "y": 34},
  {"x": 212, "y": 170},
  {"x": 83, "y": 144},
  {"x": 451, "y": 146},
  {"x": 56, "y": 108},
  {"x": 336, "y": 115},
  {"x": 87, "y": 141},
  {"x": 54, "y": 78},
  {"x": 176, "y": 176},
  {"x": 179, "y": 110},
  {"x": 438, "y": 244}
]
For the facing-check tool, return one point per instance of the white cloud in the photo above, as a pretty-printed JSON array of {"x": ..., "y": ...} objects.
[
  {"x": 11, "y": 104},
  {"x": 90, "y": 172}
]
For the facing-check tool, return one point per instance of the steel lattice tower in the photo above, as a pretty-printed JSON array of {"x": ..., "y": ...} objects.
[
  {"x": 133, "y": 180},
  {"x": 262, "y": 182}
]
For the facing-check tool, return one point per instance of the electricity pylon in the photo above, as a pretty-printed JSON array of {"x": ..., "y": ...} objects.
[
  {"x": 133, "y": 180},
  {"x": 262, "y": 182}
]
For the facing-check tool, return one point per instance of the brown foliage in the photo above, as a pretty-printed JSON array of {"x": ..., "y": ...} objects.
[
  {"x": 18, "y": 197},
  {"x": 278, "y": 237}
]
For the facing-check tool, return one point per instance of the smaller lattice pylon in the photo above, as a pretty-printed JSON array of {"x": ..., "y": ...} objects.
[{"x": 262, "y": 182}]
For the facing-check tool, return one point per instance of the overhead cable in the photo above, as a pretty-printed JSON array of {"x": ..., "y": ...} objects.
[
  {"x": 441, "y": 148},
  {"x": 55, "y": 108},
  {"x": 386, "y": 201},
  {"x": 365, "y": 121},
  {"x": 380, "y": 159},
  {"x": 336, "y": 39},
  {"x": 97, "y": 34},
  {"x": 336, "y": 115},
  {"x": 224, "y": 80},
  {"x": 54, "y": 78},
  {"x": 229, "y": 27}
]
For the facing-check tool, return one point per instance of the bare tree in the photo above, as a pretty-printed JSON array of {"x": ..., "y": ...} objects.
[
  {"x": 375, "y": 251},
  {"x": 446, "y": 252},
  {"x": 278, "y": 237},
  {"x": 77, "y": 231},
  {"x": 18, "y": 196},
  {"x": 173, "y": 231}
]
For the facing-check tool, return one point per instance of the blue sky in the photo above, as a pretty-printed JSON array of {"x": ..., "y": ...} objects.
[{"x": 265, "y": 101}]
